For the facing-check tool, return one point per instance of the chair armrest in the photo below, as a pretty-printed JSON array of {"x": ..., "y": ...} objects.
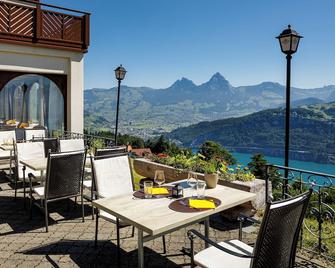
[
  {"x": 242, "y": 217},
  {"x": 193, "y": 233}
]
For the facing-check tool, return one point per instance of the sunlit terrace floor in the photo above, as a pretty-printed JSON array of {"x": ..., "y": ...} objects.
[{"x": 69, "y": 243}]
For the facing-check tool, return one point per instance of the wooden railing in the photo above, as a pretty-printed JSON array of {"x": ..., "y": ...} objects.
[{"x": 28, "y": 23}]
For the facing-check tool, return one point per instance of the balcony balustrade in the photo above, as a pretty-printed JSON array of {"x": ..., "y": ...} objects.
[{"x": 43, "y": 25}]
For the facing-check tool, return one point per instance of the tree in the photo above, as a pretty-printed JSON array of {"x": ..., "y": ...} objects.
[
  {"x": 257, "y": 167},
  {"x": 211, "y": 150},
  {"x": 159, "y": 145}
]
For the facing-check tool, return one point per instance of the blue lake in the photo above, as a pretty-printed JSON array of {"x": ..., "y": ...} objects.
[{"x": 244, "y": 159}]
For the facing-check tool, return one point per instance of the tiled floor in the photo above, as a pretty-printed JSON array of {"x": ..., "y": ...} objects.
[{"x": 69, "y": 242}]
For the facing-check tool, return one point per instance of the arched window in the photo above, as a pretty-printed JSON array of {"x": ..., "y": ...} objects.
[{"x": 33, "y": 99}]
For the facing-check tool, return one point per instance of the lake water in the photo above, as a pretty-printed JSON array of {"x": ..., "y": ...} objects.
[{"x": 244, "y": 159}]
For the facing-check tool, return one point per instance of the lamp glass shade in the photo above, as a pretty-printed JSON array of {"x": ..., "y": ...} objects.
[
  {"x": 294, "y": 43},
  {"x": 285, "y": 43},
  {"x": 289, "y": 40},
  {"x": 120, "y": 73}
]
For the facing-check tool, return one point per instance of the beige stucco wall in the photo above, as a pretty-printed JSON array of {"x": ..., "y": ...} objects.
[{"x": 52, "y": 61}]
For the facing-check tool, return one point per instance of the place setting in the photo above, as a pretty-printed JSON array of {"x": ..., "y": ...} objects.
[
  {"x": 153, "y": 189},
  {"x": 198, "y": 201}
]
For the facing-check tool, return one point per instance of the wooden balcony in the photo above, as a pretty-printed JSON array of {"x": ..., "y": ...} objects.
[{"x": 42, "y": 25}]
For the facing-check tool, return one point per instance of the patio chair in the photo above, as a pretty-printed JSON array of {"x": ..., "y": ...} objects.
[
  {"x": 6, "y": 136},
  {"x": 27, "y": 151},
  {"x": 89, "y": 183},
  {"x": 69, "y": 145},
  {"x": 112, "y": 177},
  {"x": 31, "y": 134},
  {"x": 6, "y": 160},
  {"x": 50, "y": 145},
  {"x": 63, "y": 180},
  {"x": 276, "y": 242},
  {"x": 110, "y": 150},
  {"x": 6, "y": 156}
]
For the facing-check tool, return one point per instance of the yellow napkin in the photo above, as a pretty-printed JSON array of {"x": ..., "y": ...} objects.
[
  {"x": 198, "y": 203},
  {"x": 159, "y": 191}
]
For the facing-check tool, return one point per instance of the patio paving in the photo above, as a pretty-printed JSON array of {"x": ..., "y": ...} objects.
[{"x": 70, "y": 242}]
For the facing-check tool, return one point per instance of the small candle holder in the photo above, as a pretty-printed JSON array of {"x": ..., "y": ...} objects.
[{"x": 177, "y": 191}]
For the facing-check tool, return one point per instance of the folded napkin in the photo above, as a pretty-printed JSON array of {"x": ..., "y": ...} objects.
[
  {"x": 201, "y": 203},
  {"x": 158, "y": 191}
]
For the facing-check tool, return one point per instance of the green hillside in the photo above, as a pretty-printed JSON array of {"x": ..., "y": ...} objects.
[{"x": 312, "y": 133}]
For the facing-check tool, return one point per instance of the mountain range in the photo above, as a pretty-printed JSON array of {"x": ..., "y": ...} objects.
[
  {"x": 311, "y": 131},
  {"x": 147, "y": 111}
]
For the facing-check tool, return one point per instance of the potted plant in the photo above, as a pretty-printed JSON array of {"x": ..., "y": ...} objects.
[{"x": 212, "y": 170}]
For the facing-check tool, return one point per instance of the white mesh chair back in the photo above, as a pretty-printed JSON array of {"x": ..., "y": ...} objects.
[
  {"x": 7, "y": 136},
  {"x": 112, "y": 176},
  {"x": 71, "y": 145},
  {"x": 28, "y": 151},
  {"x": 110, "y": 150},
  {"x": 31, "y": 134},
  {"x": 278, "y": 236}
]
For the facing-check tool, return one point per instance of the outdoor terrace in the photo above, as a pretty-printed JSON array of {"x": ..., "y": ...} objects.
[
  {"x": 70, "y": 242},
  {"x": 43, "y": 25}
]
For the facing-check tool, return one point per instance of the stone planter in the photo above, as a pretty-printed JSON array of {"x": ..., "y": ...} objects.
[
  {"x": 146, "y": 168},
  {"x": 211, "y": 180}
]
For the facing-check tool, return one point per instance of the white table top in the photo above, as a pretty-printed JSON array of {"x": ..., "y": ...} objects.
[
  {"x": 154, "y": 216},
  {"x": 7, "y": 147},
  {"x": 5, "y": 154},
  {"x": 40, "y": 164}
]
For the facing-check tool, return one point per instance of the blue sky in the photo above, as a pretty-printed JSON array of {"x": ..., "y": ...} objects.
[{"x": 160, "y": 41}]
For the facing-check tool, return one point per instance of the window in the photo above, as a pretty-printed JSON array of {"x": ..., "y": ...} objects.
[{"x": 33, "y": 99}]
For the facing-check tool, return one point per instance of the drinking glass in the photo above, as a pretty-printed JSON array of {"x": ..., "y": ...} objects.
[
  {"x": 201, "y": 186},
  {"x": 159, "y": 177},
  {"x": 148, "y": 189},
  {"x": 192, "y": 181}
]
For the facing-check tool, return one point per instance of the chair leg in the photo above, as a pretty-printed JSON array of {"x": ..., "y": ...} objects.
[
  {"x": 164, "y": 244},
  {"x": 46, "y": 215},
  {"x": 15, "y": 186},
  {"x": 24, "y": 187},
  {"x": 192, "y": 254},
  {"x": 82, "y": 208},
  {"x": 91, "y": 202},
  {"x": 31, "y": 204},
  {"x": 96, "y": 229}
]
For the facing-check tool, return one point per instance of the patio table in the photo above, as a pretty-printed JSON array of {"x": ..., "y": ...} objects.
[
  {"x": 7, "y": 147},
  {"x": 40, "y": 164},
  {"x": 155, "y": 218}
]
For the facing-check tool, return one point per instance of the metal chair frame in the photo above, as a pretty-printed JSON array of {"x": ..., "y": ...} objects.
[
  {"x": 260, "y": 258},
  {"x": 46, "y": 200},
  {"x": 118, "y": 225}
]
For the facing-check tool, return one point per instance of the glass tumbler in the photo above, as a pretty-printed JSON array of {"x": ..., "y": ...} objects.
[
  {"x": 148, "y": 189},
  {"x": 201, "y": 186}
]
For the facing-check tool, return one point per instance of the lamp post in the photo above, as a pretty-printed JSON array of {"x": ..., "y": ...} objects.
[
  {"x": 120, "y": 73},
  {"x": 289, "y": 42}
]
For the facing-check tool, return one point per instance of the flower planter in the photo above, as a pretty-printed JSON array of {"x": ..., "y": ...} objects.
[
  {"x": 211, "y": 180},
  {"x": 146, "y": 168}
]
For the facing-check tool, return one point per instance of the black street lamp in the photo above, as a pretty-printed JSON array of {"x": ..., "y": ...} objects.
[
  {"x": 120, "y": 73},
  {"x": 289, "y": 41}
]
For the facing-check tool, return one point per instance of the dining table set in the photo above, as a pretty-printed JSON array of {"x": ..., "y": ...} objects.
[{"x": 157, "y": 209}]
